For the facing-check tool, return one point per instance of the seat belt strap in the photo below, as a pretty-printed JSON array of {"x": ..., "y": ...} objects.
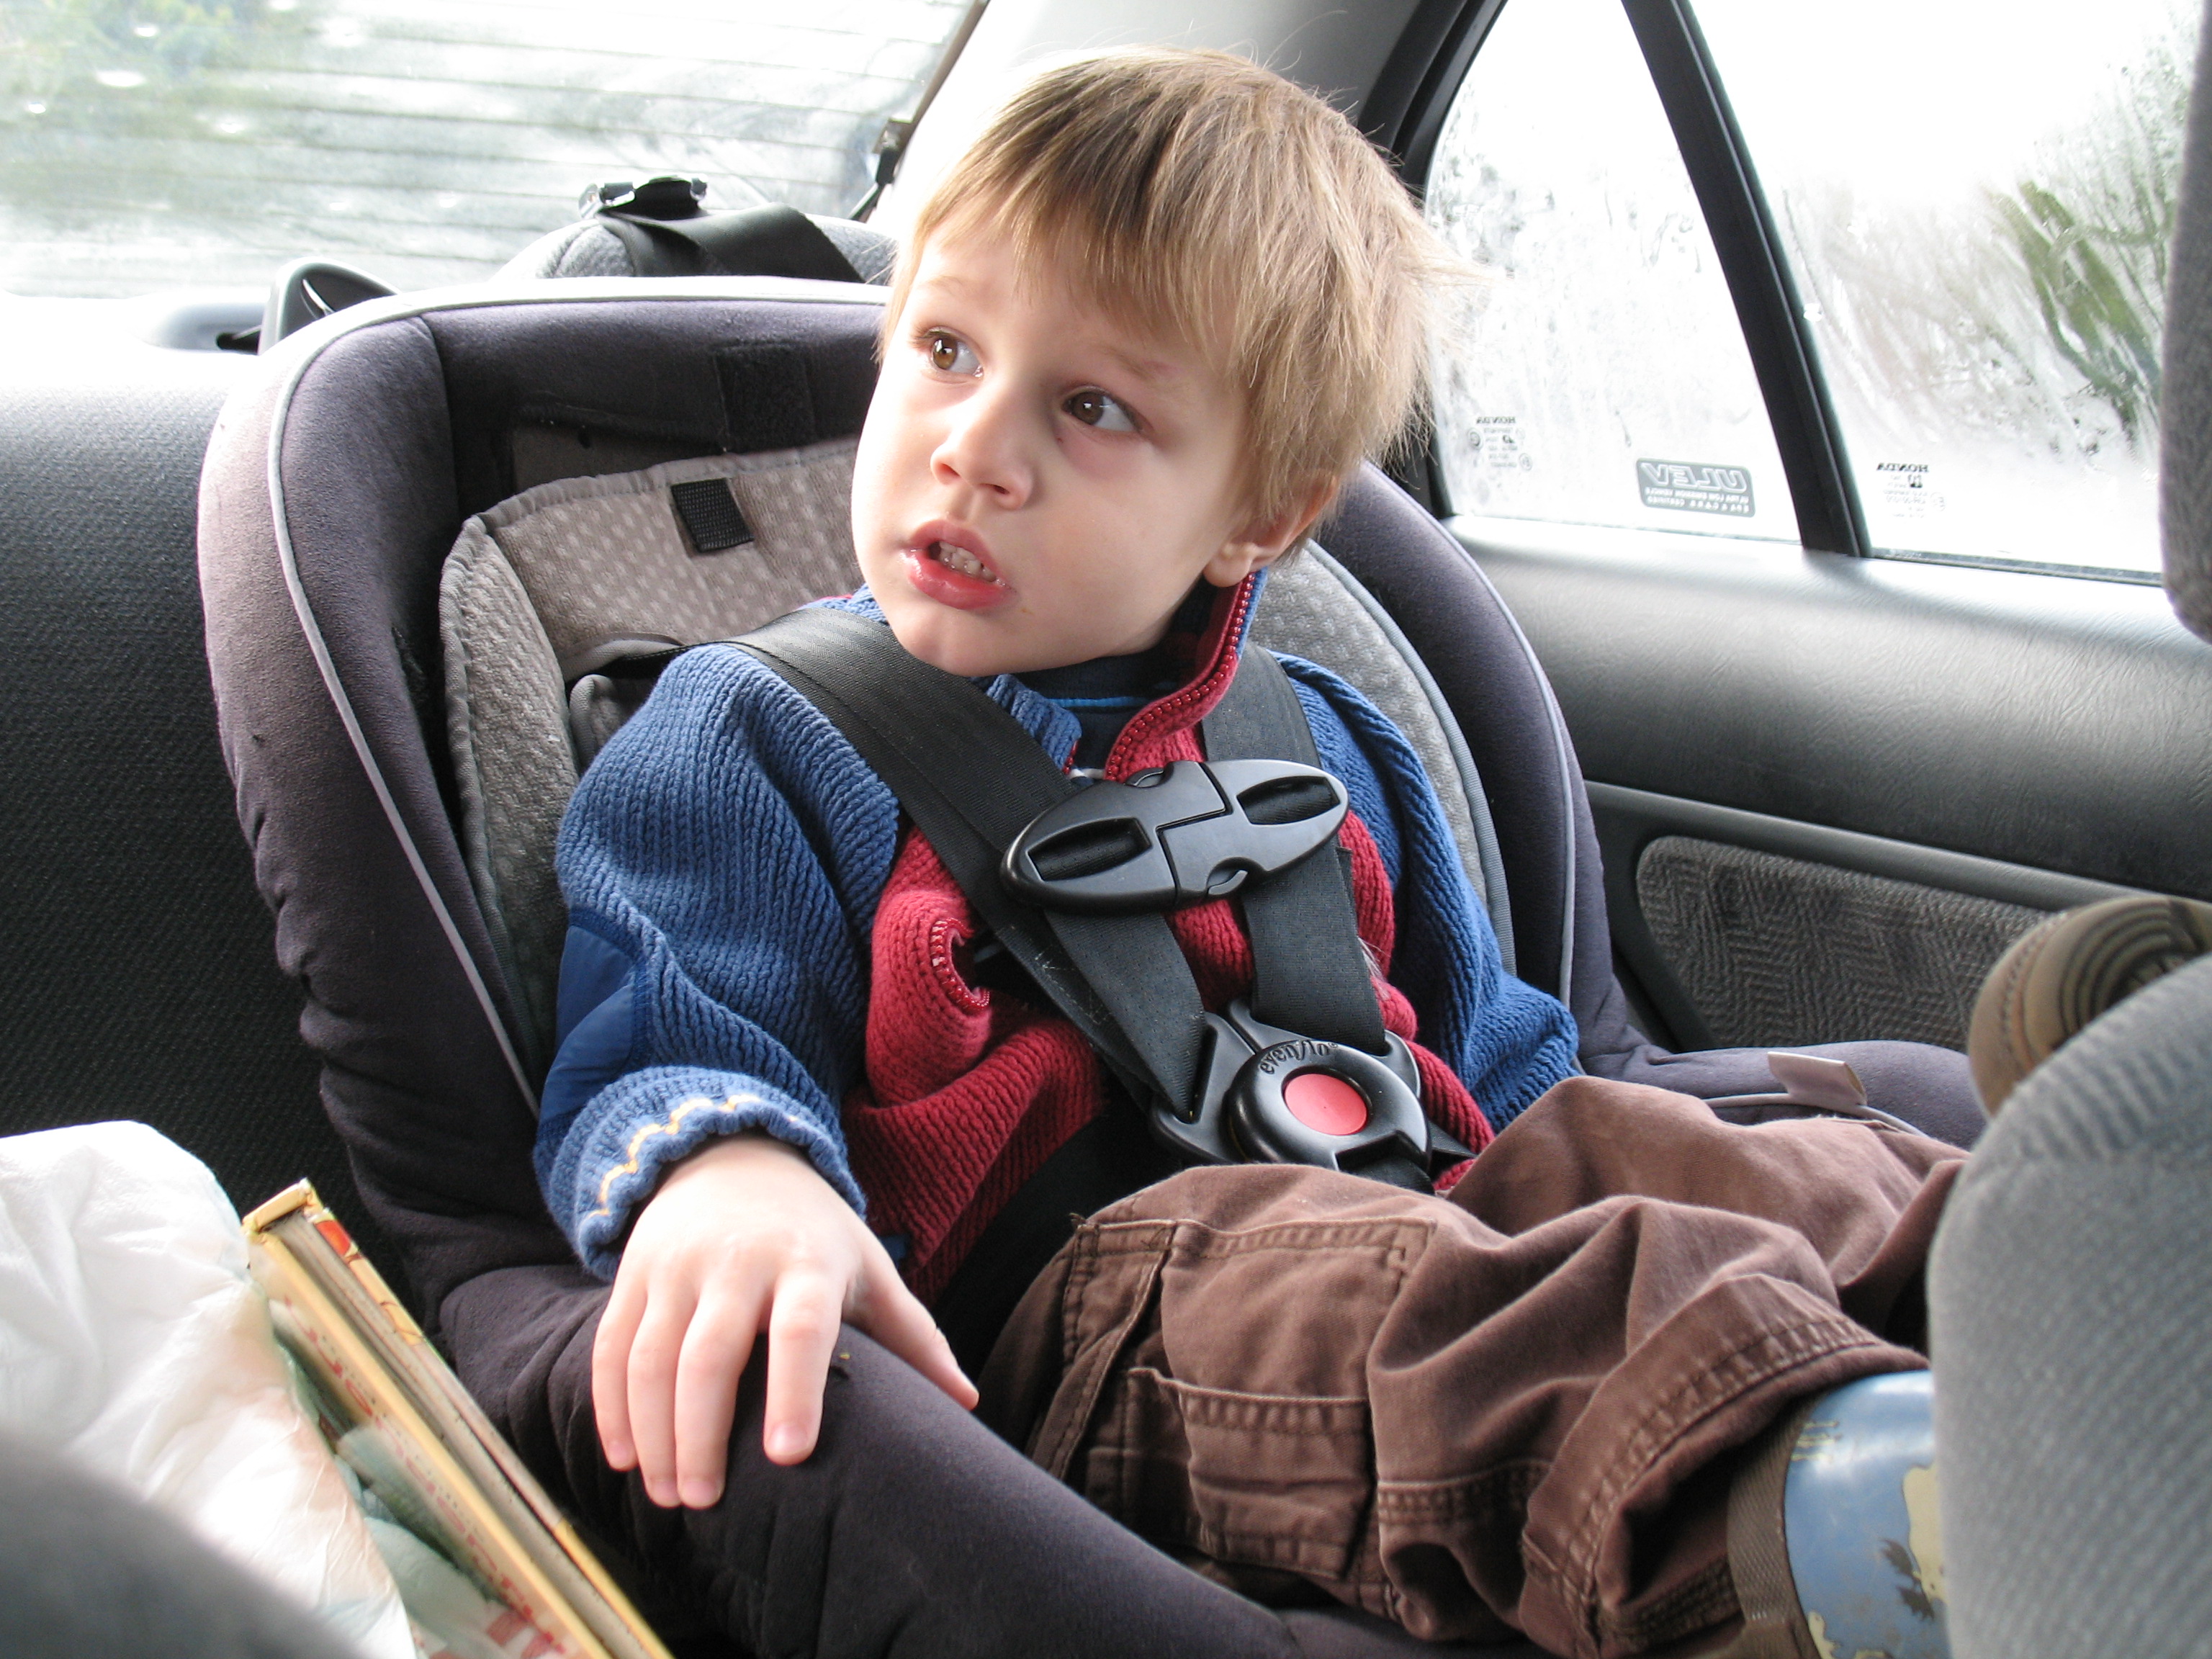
[
  {"x": 970, "y": 776},
  {"x": 1310, "y": 971}
]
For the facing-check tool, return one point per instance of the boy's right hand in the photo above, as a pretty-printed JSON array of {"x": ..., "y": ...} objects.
[{"x": 743, "y": 1236}]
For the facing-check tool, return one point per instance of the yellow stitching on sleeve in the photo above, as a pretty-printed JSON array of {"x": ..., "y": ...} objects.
[{"x": 629, "y": 1166}]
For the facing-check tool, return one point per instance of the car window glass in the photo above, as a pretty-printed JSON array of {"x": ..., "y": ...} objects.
[
  {"x": 1598, "y": 375},
  {"x": 1976, "y": 202},
  {"x": 148, "y": 143}
]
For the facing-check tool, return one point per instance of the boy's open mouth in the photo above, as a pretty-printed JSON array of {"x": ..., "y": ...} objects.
[
  {"x": 955, "y": 557},
  {"x": 951, "y": 564}
]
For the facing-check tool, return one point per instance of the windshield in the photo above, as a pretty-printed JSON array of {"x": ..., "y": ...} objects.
[{"x": 147, "y": 144}]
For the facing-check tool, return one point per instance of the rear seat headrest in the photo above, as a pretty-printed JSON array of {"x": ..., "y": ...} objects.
[{"x": 589, "y": 248}]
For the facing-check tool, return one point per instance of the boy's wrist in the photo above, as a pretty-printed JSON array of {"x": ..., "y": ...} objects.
[
  {"x": 643, "y": 1127},
  {"x": 747, "y": 1148}
]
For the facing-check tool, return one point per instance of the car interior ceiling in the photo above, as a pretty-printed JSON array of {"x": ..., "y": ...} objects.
[{"x": 1827, "y": 790}]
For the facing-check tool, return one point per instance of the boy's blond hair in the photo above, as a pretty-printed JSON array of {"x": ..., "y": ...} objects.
[{"x": 1204, "y": 200}]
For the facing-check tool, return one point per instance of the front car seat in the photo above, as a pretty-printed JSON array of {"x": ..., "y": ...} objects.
[{"x": 2071, "y": 1291}]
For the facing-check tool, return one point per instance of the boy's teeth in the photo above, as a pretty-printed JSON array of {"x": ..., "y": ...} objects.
[{"x": 960, "y": 559}]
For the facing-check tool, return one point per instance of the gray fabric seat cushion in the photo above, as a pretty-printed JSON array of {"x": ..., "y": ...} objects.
[
  {"x": 557, "y": 581},
  {"x": 2070, "y": 1291},
  {"x": 2068, "y": 1294}
]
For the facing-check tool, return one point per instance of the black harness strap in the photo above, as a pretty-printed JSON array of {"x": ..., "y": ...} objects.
[
  {"x": 971, "y": 777},
  {"x": 1311, "y": 973}
]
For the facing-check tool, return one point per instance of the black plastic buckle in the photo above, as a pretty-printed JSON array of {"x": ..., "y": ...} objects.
[
  {"x": 1361, "y": 1113},
  {"x": 1191, "y": 831},
  {"x": 666, "y": 196}
]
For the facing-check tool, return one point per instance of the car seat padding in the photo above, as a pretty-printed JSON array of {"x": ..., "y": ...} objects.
[
  {"x": 547, "y": 587},
  {"x": 1301, "y": 613},
  {"x": 604, "y": 566},
  {"x": 513, "y": 770},
  {"x": 607, "y": 563},
  {"x": 1489, "y": 676},
  {"x": 356, "y": 442}
]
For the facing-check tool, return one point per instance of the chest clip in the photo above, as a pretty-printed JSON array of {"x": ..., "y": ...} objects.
[{"x": 1177, "y": 834}]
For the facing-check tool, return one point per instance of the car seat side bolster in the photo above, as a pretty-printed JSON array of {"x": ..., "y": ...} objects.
[
  {"x": 331, "y": 512},
  {"x": 435, "y": 1124},
  {"x": 1489, "y": 675}
]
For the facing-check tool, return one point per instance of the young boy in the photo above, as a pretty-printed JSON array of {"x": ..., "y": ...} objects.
[{"x": 1137, "y": 340}]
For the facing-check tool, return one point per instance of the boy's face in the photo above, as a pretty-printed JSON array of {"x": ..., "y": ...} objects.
[{"x": 1036, "y": 485}]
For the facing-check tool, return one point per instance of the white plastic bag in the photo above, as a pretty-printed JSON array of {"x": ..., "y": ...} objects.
[{"x": 132, "y": 1341}]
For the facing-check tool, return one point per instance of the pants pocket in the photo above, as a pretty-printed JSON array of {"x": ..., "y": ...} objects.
[{"x": 1253, "y": 1480}]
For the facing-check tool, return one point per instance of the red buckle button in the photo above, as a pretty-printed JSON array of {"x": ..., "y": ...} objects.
[{"x": 1326, "y": 1103}]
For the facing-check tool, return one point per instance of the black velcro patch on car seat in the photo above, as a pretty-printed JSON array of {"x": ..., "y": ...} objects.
[
  {"x": 767, "y": 396},
  {"x": 710, "y": 515}
]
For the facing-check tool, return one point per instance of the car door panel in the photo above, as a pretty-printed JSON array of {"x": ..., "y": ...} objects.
[
  {"x": 1829, "y": 791},
  {"x": 1829, "y": 787}
]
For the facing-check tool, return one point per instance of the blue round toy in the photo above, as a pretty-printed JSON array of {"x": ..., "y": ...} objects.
[{"x": 1858, "y": 1510}]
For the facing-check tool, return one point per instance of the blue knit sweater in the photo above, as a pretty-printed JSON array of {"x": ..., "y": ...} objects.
[{"x": 723, "y": 859}]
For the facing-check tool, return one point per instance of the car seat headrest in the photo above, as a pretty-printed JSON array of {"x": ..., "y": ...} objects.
[
  {"x": 678, "y": 554},
  {"x": 769, "y": 242},
  {"x": 2186, "y": 468}
]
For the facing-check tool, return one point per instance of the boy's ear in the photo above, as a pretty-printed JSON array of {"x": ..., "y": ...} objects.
[{"x": 1263, "y": 541}]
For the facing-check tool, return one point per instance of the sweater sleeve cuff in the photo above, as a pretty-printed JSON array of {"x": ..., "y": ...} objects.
[{"x": 609, "y": 1167}]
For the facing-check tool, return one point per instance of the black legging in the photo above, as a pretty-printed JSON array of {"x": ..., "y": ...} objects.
[{"x": 912, "y": 1532}]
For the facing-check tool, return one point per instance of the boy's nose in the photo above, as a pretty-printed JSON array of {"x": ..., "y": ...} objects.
[{"x": 984, "y": 448}]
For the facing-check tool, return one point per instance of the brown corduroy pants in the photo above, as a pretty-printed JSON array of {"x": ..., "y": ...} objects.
[{"x": 1517, "y": 1407}]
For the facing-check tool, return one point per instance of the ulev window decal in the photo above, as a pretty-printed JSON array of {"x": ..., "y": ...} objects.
[
  {"x": 1690, "y": 487},
  {"x": 1603, "y": 338},
  {"x": 1908, "y": 490}
]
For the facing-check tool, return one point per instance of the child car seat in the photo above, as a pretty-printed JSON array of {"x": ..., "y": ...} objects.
[
  {"x": 336, "y": 482},
  {"x": 554, "y": 591}
]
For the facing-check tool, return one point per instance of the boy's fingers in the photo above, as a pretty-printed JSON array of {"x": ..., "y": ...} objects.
[
  {"x": 715, "y": 1349},
  {"x": 654, "y": 1352},
  {"x": 610, "y": 1372},
  {"x": 890, "y": 1313},
  {"x": 802, "y": 1334}
]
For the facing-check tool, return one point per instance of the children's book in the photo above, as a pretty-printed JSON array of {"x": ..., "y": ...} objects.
[{"x": 424, "y": 1448}]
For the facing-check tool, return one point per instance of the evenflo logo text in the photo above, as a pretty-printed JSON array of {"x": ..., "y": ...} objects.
[{"x": 1689, "y": 487}]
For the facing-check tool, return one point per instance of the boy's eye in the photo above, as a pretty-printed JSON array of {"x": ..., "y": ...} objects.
[
  {"x": 1099, "y": 409},
  {"x": 950, "y": 355}
]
